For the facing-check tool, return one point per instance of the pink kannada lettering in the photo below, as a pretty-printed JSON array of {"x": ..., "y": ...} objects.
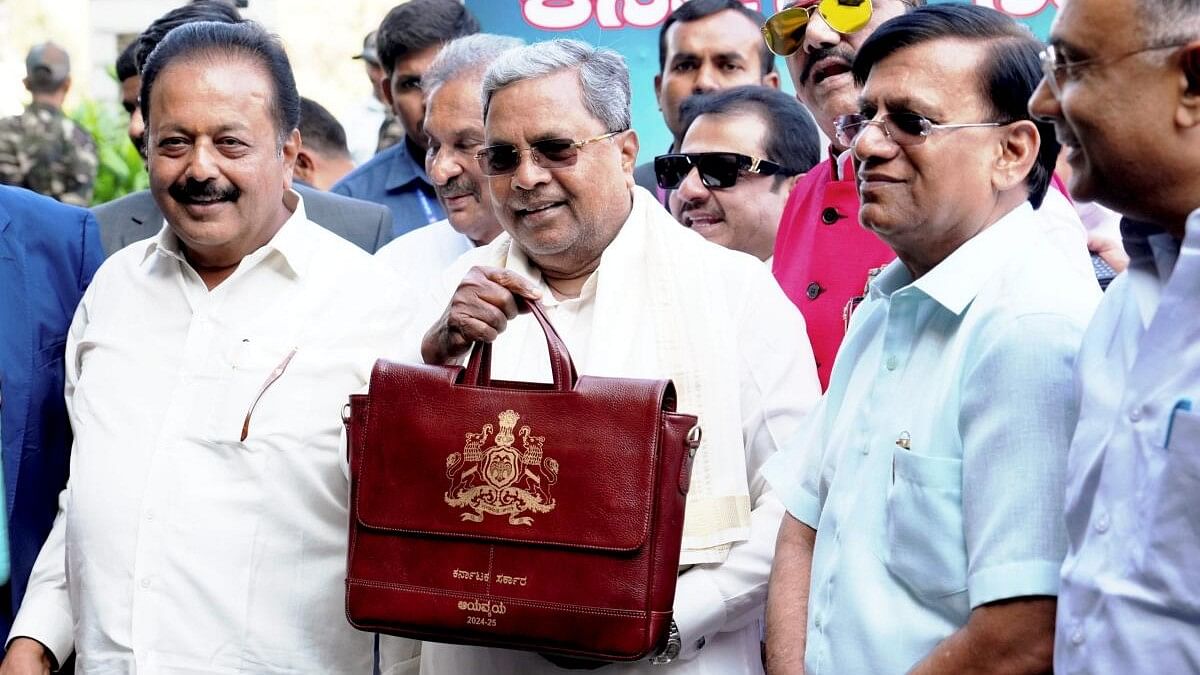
[
  {"x": 563, "y": 15},
  {"x": 1018, "y": 8}
]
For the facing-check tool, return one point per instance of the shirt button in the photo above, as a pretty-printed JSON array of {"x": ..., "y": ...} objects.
[
  {"x": 830, "y": 215},
  {"x": 892, "y": 362},
  {"x": 1135, "y": 415},
  {"x": 145, "y": 584},
  {"x": 1077, "y": 637},
  {"x": 1102, "y": 523},
  {"x": 149, "y": 515},
  {"x": 814, "y": 289}
]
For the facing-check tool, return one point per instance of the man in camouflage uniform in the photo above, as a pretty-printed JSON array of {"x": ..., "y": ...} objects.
[{"x": 41, "y": 149}]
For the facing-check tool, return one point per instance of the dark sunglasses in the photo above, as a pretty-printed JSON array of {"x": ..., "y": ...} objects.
[
  {"x": 717, "y": 169},
  {"x": 552, "y": 153}
]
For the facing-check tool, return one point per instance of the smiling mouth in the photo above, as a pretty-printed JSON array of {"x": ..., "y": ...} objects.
[
  {"x": 535, "y": 209},
  {"x": 700, "y": 220}
]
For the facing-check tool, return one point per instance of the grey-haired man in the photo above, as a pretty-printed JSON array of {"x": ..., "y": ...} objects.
[{"x": 632, "y": 294}]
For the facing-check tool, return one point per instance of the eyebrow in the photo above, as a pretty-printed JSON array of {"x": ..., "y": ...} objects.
[
  {"x": 1065, "y": 45},
  {"x": 223, "y": 129},
  {"x": 908, "y": 103}
]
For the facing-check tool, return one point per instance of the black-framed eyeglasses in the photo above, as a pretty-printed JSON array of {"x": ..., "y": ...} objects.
[
  {"x": 1057, "y": 69},
  {"x": 717, "y": 169},
  {"x": 552, "y": 153},
  {"x": 904, "y": 128}
]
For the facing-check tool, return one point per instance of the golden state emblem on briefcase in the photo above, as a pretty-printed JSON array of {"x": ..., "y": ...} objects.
[{"x": 501, "y": 480}]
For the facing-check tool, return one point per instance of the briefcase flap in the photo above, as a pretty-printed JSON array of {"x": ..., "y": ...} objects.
[{"x": 510, "y": 462}]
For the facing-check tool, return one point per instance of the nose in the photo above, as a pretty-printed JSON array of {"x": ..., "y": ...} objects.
[
  {"x": 528, "y": 174},
  {"x": 818, "y": 35},
  {"x": 874, "y": 143},
  {"x": 202, "y": 164},
  {"x": 692, "y": 190},
  {"x": 1044, "y": 106},
  {"x": 442, "y": 166},
  {"x": 706, "y": 79}
]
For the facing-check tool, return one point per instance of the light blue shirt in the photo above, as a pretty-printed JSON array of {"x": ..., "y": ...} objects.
[
  {"x": 1130, "y": 598},
  {"x": 970, "y": 367}
]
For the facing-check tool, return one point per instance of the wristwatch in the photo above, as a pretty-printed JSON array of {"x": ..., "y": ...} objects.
[{"x": 670, "y": 649}]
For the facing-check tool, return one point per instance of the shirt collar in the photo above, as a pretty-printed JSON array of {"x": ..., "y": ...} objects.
[
  {"x": 954, "y": 282},
  {"x": 404, "y": 168},
  {"x": 1153, "y": 250},
  {"x": 295, "y": 249}
]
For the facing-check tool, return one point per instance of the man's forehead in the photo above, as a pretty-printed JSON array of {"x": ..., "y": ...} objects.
[
  {"x": 727, "y": 23},
  {"x": 740, "y": 131},
  {"x": 928, "y": 77},
  {"x": 548, "y": 106},
  {"x": 1088, "y": 26}
]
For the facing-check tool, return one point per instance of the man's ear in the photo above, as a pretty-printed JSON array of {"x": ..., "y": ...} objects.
[
  {"x": 771, "y": 79},
  {"x": 629, "y": 147},
  {"x": 386, "y": 87},
  {"x": 790, "y": 182},
  {"x": 290, "y": 151},
  {"x": 1017, "y": 154},
  {"x": 306, "y": 166},
  {"x": 1187, "y": 115},
  {"x": 658, "y": 90}
]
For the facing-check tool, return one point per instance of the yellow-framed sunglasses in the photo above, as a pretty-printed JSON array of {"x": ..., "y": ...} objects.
[{"x": 784, "y": 32}]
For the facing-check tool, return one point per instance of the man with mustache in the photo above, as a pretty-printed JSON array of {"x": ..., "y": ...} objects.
[
  {"x": 204, "y": 525},
  {"x": 924, "y": 529},
  {"x": 1122, "y": 86},
  {"x": 742, "y": 151},
  {"x": 409, "y": 38},
  {"x": 823, "y": 255},
  {"x": 136, "y": 217},
  {"x": 454, "y": 126},
  {"x": 632, "y": 294}
]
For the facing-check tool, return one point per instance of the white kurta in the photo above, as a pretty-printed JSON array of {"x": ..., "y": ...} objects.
[
  {"x": 422, "y": 255},
  {"x": 179, "y": 547},
  {"x": 718, "y": 607}
]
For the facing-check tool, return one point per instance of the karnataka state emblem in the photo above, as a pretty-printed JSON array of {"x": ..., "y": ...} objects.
[{"x": 501, "y": 480}]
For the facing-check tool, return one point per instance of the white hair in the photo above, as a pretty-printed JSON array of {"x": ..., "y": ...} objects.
[
  {"x": 603, "y": 76},
  {"x": 466, "y": 55}
]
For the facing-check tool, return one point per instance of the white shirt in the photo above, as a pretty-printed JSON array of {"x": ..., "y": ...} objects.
[
  {"x": 422, "y": 255},
  {"x": 187, "y": 549},
  {"x": 718, "y": 607},
  {"x": 1130, "y": 599},
  {"x": 933, "y": 468}
]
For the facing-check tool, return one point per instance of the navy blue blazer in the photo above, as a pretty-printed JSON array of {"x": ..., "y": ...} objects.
[{"x": 48, "y": 254}]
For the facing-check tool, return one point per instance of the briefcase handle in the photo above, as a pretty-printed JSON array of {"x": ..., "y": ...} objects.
[{"x": 479, "y": 366}]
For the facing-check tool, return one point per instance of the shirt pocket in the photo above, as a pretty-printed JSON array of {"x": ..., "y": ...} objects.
[
  {"x": 926, "y": 549},
  {"x": 1174, "y": 530},
  {"x": 248, "y": 365}
]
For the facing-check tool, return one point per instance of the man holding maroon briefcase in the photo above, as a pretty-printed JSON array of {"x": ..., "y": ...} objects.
[{"x": 632, "y": 295}]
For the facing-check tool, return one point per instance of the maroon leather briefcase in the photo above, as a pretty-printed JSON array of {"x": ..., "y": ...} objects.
[{"x": 517, "y": 515}]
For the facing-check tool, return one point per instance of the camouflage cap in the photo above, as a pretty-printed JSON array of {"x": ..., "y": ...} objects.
[
  {"x": 368, "y": 53},
  {"x": 47, "y": 65}
]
